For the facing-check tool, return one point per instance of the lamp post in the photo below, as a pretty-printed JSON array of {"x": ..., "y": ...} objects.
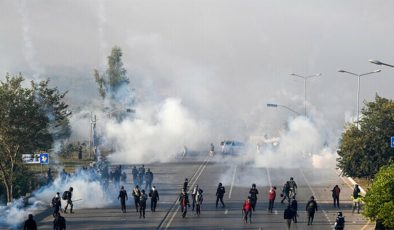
[
  {"x": 376, "y": 62},
  {"x": 305, "y": 79},
  {"x": 283, "y": 106},
  {"x": 358, "y": 88}
]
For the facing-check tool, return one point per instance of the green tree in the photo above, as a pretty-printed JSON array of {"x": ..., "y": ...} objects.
[
  {"x": 362, "y": 151},
  {"x": 379, "y": 200},
  {"x": 115, "y": 76},
  {"x": 31, "y": 119}
]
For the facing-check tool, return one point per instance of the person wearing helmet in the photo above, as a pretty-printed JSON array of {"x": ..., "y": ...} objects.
[
  {"x": 253, "y": 196},
  {"x": 340, "y": 222},
  {"x": 311, "y": 208},
  {"x": 220, "y": 194}
]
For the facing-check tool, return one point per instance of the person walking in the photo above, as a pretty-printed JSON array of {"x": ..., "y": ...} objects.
[
  {"x": 311, "y": 208},
  {"x": 199, "y": 199},
  {"x": 136, "y": 195},
  {"x": 154, "y": 197},
  {"x": 335, "y": 195},
  {"x": 247, "y": 210},
  {"x": 56, "y": 204},
  {"x": 184, "y": 202},
  {"x": 294, "y": 206},
  {"x": 356, "y": 199},
  {"x": 340, "y": 222},
  {"x": 141, "y": 175},
  {"x": 142, "y": 203},
  {"x": 293, "y": 188},
  {"x": 186, "y": 184},
  {"x": 148, "y": 179},
  {"x": 288, "y": 215},
  {"x": 68, "y": 198},
  {"x": 220, "y": 194},
  {"x": 30, "y": 223},
  {"x": 271, "y": 198},
  {"x": 253, "y": 196},
  {"x": 123, "y": 197},
  {"x": 59, "y": 223},
  {"x": 285, "y": 192},
  {"x": 134, "y": 172},
  {"x": 194, "y": 193}
]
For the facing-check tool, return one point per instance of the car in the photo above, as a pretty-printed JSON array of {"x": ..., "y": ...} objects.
[{"x": 231, "y": 147}]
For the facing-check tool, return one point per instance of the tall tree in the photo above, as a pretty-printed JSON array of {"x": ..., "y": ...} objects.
[
  {"x": 30, "y": 120},
  {"x": 362, "y": 151},
  {"x": 379, "y": 200},
  {"x": 114, "y": 77}
]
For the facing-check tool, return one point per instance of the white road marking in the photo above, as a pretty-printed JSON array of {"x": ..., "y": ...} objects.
[
  {"x": 232, "y": 182},
  {"x": 201, "y": 169},
  {"x": 269, "y": 177},
  {"x": 225, "y": 212}
]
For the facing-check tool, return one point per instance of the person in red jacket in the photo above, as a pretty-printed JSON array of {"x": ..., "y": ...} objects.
[
  {"x": 335, "y": 195},
  {"x": 271, "y": 198},
  {"x": 247, "y": 210}
]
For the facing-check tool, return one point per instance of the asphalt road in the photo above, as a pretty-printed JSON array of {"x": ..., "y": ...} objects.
[{"x": 207, "y": 173}]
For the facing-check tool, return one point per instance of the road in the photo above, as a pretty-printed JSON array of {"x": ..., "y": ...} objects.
[{"x": 207, "y": 173}]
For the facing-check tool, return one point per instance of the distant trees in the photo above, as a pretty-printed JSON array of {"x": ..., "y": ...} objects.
[
  {"x": 114, "y": 77},
  {"x": 379, "y": 200},
  {"x": 362, "y": 151},
  {"x": 31, "y": 119}
]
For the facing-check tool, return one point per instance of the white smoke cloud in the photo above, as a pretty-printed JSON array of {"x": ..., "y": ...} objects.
[{"x": 158, "y": 133}]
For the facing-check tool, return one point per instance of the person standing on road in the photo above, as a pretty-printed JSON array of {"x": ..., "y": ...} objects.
[
  {"x": 30, "y": 223},
  {"x": 185, "y": 184},
  {"x": 356, "y": 199},
  {"x": 154, "y": 197},
  {"x": 69, "y": 201},
  {"x": 293, "y": 188},
  {"x": 294, "y": 207},
  {"x": 271, "y": 198},
  {"x": 253, "y": 196},
  {"x": 134, "y": 172},
  {"x": 199, "y": 199},
  {"x": 141, "y": 174},
  {"x": 56, "y": 204},
  {"x": 288, "y": 215},
  {"x": 123, "y": 197},
  {"x": 247, "y": 210},
  {"x": 340, "y": 222},
  {"x": 335, "y": 195},
  {"x": 148, "y": 179},
  {"x": 194, "y": 193},
  {"x": 136, "y": 195},
  {"x": 220, "y": 194},
  {"x": 184, "y": 202},
  {"x": 142, "y": 203},
  {"x": 311, "y": 208},
  {"x": 285, "y": 192},
  {"x": 59, "y": 223}
]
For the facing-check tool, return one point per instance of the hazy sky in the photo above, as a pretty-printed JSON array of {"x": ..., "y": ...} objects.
[{"x": 224, "y": 59}]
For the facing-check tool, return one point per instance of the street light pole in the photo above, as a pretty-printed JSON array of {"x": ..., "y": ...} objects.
[
  {"x": 305, "y": 78},
  {"x": 376, "y": 62},
  {"x": 283, "y": 106},
  {"x": 358, "y": 88}
]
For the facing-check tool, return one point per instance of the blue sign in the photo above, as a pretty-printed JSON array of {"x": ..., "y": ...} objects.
[
  {"x": 44, "y": 158},
  {"x": 392, "y": 142}
]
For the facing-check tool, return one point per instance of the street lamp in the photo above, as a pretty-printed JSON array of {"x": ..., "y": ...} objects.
[
  {"x": 358, "y": 87},
  {"x": 283, "y": 106},
  {"x": 376, "y": 62},
  {"x": 305, "y": 79}
]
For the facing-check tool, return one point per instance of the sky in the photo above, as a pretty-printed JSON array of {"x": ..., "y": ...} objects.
[{"x": 223, "y": 60}]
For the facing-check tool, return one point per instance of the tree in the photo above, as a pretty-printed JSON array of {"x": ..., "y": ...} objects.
[
  {"x": 115, "y": 76},
  {"x": 31, "y": 119},
  {"x": 362, "y": 151},
  {"x": 379, "y": 200}
]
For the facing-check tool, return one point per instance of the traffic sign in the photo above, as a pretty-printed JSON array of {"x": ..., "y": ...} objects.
[
  {"x": 44, "y": 158},
  {"x": 392, "y": 142}
]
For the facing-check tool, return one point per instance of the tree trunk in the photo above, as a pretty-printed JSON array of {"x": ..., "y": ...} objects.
[{"x": 8, "y": 191}]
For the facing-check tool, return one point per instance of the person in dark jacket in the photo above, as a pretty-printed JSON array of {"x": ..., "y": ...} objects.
[
  {"x": 59, "y": 223},
  {"x": 123, "y": 197},
  {"x": 311, "y": 208},
  {"x": 220, "y": 194},
  {"x": 136, "y": 195},
  {"x": 134, "y": 172},
  {"x": 294, "y": 206},
  {"x": 154, "y": 195},
  {"x": 142, "y": 203},
  {"x": 30, "y": 223},
  {"x": 56, "y": 204},
  {"x": 184, "y": 202},
  {"x": 148, "y": 179},
  {"x": 253, "y": 196},
  {"x": 340, "y": 222},
  {"x": 69, "y": 201},
  {"x": 335, "y": 195},
  {"x": 288, "y": 215},
  {"x": 186, "y": 184}
]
